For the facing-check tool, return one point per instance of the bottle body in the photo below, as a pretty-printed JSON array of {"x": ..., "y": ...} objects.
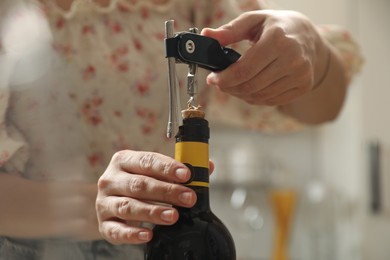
[
  {"x": 198, "y": 234},
  {"x": 192, "y": 237}
]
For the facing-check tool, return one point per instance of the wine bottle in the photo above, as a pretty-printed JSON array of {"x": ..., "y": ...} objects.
[{"x": 198, "y": 234}]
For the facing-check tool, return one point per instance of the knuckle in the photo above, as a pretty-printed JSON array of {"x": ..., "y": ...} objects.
[
  {"x": 147, "y": 161},
  {"x": 246, "y": 15},
  {"x": 99, "y": 205},
  {"x": 103, "y": 182},
  {"x": 278, "y": 31},
  {"x": 167, "y": 167},
  {"x": 279, "y": 38},
  {"x": 154, "y": 212},
  {"x": 117, "y": 156},
  {"x": 124, "y": 208},
  {"x": 168, "y": 193},
  {"x": 130, "y": 236},
  {"x": 285, "y": 43},
  {"x": 137, "y": 185},
  {"x": 113, "y": 233},
  {"x": 122, "y": 156}
]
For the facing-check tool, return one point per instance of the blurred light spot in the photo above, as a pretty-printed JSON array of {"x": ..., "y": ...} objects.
[
  {"x": 26, "y": 40},
  {"x": 238, "y": 198}
]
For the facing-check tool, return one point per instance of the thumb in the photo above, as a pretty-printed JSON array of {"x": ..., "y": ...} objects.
[
  {"x": 247, "y": 26},
  {"x": 221, "y": 35}
]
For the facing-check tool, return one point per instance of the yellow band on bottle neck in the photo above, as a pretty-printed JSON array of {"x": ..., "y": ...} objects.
[
  {"x": 194, "y": 153},
  {"x": 198, "y": 184}
]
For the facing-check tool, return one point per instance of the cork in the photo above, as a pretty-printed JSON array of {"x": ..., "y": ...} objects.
[{"x": 192, "y": 111}]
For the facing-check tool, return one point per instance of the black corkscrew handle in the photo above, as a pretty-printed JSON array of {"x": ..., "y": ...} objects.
[{"x": 206, "y": 52}]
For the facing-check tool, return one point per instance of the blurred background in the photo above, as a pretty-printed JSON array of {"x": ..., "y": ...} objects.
[
  {"x": 339, "y": 173},
  {"x": 321, "y": 194}
]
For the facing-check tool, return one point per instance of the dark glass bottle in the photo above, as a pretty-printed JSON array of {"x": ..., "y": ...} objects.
[{"x": 198, "y": 234}]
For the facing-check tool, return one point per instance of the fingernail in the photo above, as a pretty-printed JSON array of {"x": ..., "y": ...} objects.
[
  {"x": 144, "y": 236},
  {"x": 167, "y": 215},
  {"x": 182, "y": 174},
  {"x": 186, "y": 197},
  {"x": 212, "y": 79}
]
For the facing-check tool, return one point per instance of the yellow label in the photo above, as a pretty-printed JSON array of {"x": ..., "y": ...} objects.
[{"x": 194, "y": 153}]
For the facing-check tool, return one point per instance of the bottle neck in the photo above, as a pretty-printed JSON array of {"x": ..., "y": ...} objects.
[
  {"x": 203, "y": 200},
  {"x": 199, "y": 182},
  {"x": 192, "y": 149}
]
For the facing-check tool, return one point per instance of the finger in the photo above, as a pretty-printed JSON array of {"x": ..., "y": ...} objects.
[
  {"x": 147, "y": 188},
  {"x": 117, "y": 232},
  {"x": 245, "y": 27},
  {"x": 152, "y": 164},
  {"x": 272, "y": 91},
  {"x": 285, "y": 89},
  {"x": 260, "y": 82},
  {"x": 132, "y": 210},
  {"x": 211, "y": 166},
  {"x": 261, "y": 55},
  {"x": 285, "y": 97}
]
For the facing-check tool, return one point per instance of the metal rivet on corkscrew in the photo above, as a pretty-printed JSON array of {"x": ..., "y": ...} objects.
[{"x": 190, "y": 46}]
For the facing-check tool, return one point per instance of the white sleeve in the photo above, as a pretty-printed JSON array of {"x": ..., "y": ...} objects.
[{"x": 13, "y": 147}]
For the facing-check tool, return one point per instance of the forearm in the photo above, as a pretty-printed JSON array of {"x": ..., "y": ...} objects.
[
  {"x": 31, "y": 209},
  {"x": 325, "y": 101}
]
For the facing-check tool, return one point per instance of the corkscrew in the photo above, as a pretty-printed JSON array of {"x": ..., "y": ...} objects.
[{"x": 196, "y": 51}]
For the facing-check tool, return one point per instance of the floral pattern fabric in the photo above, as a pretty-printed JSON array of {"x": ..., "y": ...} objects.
[{"x": 103, "y": 87}]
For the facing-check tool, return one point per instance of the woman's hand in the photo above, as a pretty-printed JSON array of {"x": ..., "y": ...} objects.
[
  {"x": 137, "y": 187},
  {"x": 287, "y": 58}
]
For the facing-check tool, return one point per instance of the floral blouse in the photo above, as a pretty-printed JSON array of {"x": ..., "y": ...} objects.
[{"x": 76, "y": 86}]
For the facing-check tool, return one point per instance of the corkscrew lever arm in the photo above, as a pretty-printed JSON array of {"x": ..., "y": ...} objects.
[{"x": 173, "y": 89}]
